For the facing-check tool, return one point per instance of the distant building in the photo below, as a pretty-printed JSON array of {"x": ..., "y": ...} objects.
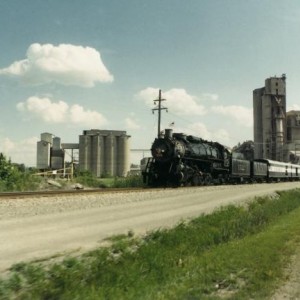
[
  {"x": 269, "y": 111},
  {"x": 293, "y": 135},
  {"x": 50, "y": 155},
  {"x": 104, "y": 152}
]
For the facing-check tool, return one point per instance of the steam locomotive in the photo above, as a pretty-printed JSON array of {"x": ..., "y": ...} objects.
[{"x": 179, "y": 159}]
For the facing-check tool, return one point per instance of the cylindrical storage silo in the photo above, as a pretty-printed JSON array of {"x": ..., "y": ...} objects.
[
  {"x": 43, "y": 155},
  {"x": 123, "y": 155},
  {"x": 56, "y": 143},
  {"x": 95, "y": 155},
  {"x": 84, "y": 152},
  {"x": 47, "y": 137},
  {"x": 102, "y": 153},
  {"x": 109, "y": 155}
]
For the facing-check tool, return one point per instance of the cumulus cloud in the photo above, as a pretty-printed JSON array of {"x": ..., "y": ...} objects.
[
  {"x": 130, "y": 123},
  {"x": 64, "y": 64},
  {"x": 242, "y": 114},
  {"x": 200, "y": 130},
  {"x": 210, "y": 97},
  {"x": 23, "y": 151},
  {"x": 60, "y": 112},
  {"x": 178, "y": 101},
  {"x": 294, "y": 107},
  {"x": 45, "y": 109},
  {"x": 78, "y": 115}
]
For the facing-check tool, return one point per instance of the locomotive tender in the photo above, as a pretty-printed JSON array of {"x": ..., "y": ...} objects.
[{"x": 179, "y": 159}]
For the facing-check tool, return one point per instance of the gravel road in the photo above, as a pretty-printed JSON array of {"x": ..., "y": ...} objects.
[{"x": 42, "y": 227}]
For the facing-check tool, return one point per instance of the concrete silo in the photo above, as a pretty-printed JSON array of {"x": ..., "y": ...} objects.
[
  {"x": 104, "y": 152},
  {"x": 123, "y": 155},
  {"x": 44, "y": 151},
  {"x": 43, "y": 155},
  {"x": 109, "y": 154},
  {"x": 269, "y": 109}
]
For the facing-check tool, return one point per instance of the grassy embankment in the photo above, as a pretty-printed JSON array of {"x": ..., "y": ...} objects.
[{"x": 236, "y": 252}]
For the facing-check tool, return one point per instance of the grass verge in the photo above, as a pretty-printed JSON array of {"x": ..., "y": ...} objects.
[{"x": 235, "y": 252}]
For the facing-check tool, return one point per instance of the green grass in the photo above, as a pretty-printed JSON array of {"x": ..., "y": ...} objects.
[
  {"x": 236, "y": 252},
  {"x": 87, "y": 179}
]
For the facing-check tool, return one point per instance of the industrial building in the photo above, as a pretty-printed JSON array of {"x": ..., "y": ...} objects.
[
  {"x": 102, "y": 152},
  {"x": 276, "y": 132},
  {"x": 50, "y": 154},
  {"x": 293, "y": 135},
  {"x": 269, "y": 111}
]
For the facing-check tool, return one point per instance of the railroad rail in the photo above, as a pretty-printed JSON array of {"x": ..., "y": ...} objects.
[{"x": 51, "y": 193}]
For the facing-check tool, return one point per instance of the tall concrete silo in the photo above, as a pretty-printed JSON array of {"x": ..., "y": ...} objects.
[
  {"x": 109, "y": 154},
  {"x": 123, "y": 155},
  {"x": 104, "y": 152},
  {"x": 84, "y": 152},
  {"x": 44, "y": 151},
  {"x": 258, "y": 126},
  {"x": 95, "y": 154},
  {"x": 269, "y": 108},
  {"x": 43, "y": 155}
]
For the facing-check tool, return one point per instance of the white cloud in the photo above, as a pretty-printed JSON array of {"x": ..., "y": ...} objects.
[
  {"x": 60, "y": 112},
  {"x": 130, "y": 123},
  {"x": 64, "y": 64},
  {"x": 48, "y": 111},
  {"x": 178, "y": 101},
  {"x": 294, "y": 107},
  {"x": 242, "y": 114},
  {"x": 210, "y": 97},
  {"x": 200, "y": 130},
  {"x": 90, "y": 118},
  {"x": 23, "y": 151}
]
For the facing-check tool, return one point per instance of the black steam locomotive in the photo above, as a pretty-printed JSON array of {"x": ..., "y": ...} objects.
[{"x": 179, "y": 159}]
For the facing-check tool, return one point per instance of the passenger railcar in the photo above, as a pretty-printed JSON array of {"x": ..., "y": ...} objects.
[{"x": 281, "y": 171}]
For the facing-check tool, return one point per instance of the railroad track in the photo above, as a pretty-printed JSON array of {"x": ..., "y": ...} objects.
[{"x": 66, "y": 192}]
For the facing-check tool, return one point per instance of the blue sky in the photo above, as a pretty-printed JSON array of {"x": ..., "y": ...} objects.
[{"x": 70, "y": 65}]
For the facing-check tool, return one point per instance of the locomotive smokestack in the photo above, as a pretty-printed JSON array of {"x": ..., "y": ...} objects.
[{"x": 168, "y": 133}]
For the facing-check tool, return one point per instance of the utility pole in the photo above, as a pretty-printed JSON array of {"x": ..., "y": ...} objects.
[{"x": 159, "y": 108}]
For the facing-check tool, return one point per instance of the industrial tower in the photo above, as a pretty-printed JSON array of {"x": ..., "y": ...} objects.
[{"x": 269, "y": 111}]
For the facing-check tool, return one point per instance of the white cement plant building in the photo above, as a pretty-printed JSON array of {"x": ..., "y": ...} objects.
[{"x": 102, "y": 152}]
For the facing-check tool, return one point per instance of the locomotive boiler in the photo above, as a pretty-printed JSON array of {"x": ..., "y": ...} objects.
[{"x": 179, "y": 159}]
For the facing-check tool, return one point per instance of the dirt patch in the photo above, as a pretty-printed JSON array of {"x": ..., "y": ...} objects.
[{"x": 290, "y": 289}]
